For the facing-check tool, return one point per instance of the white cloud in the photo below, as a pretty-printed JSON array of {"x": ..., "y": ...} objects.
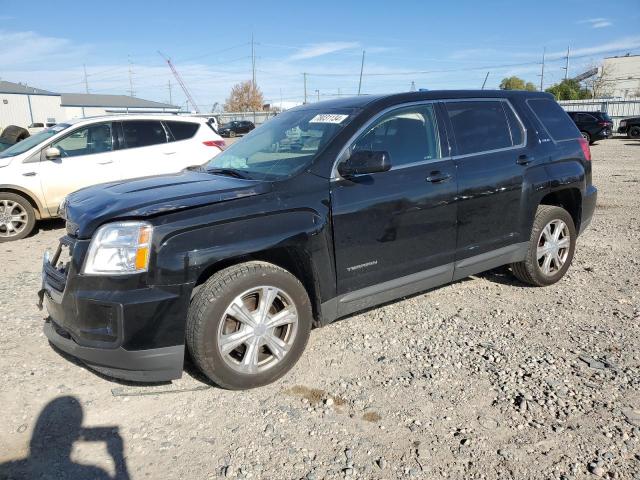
[
  {"x": 319, "y": 49},
  {"x": 31, "y": 48},
  {"x": 599, "y": 22}
]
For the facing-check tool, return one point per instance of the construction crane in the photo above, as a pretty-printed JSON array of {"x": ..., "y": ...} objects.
[{"x": 181, "y": 82}]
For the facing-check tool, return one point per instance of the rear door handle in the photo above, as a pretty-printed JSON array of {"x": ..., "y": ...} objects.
[
  {"x": 105, "y": 162},
  {"x": 524, "y": 159},
  {"x": 169, "y": 153},
  {"x": 438, "y": 177}
]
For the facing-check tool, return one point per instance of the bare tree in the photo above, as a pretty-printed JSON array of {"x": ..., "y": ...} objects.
[
  {"x": 601, "y": 83},
  {"x": 244, "y": 97}
]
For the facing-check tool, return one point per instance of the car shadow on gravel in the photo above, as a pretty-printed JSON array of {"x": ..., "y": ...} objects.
[{"x": 57, "y": 429}]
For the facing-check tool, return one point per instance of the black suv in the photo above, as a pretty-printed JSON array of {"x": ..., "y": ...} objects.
[
  {"x": 593, "y": 126},
  {"x": 630, "y": 126},
  {"x": 327, "y": 209},
  {"x": 234, "y": 128}
]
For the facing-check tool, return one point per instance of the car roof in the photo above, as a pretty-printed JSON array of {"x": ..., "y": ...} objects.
[
  {"x": 363, "y": 101},
  {"x": 133, "y": 116}
]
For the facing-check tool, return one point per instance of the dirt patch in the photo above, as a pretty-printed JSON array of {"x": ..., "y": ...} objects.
[{"x": 372, "y": 417}]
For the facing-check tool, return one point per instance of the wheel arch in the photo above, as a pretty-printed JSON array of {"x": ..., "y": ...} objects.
[
  {"x": 289, "y": 258},
  {"x": 568, "y": 198},
  {"x": 29, "y": 196}
]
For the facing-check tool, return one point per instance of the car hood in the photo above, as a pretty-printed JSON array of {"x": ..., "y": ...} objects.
[{"x": 87, "y": 209}]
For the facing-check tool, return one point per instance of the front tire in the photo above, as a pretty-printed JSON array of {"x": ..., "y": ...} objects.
[
  {"x": 551, "y": 247},
  {"x": 634, "y": 133},
  {"x": 586, "y": 136},
  {"x": 17, "y": 217},
  {"x": 248, "y": 325}
]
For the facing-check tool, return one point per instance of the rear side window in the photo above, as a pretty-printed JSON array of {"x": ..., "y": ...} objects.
[
  {"x": 143, "y": 133},
  {"x": 479, "y": 126},
  {"x": 554, "y": 119},
  {"x": 182, "y": 130}
]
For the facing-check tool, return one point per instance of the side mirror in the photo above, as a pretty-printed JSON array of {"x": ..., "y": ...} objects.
[
  {"x": 363, "y": 162},
  {"x": 52, "y": 153}
]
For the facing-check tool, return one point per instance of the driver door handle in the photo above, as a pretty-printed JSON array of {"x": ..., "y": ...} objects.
[
  {"x": 438, "y": 177},
  {"x": 524, "y": 159},
  {"x": 105, "y": 162}
]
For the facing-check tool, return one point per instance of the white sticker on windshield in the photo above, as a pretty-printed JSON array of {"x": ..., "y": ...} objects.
[{"x": 328, "y": 118}]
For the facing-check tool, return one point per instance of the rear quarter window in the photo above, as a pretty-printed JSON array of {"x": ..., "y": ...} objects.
[
  {"x": 182, "y": 130},
  {"x": 554, "y": 119}
]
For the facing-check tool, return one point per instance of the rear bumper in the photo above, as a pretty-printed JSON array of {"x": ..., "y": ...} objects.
[
  {"x": 588, "y": 207},
  {"x": 152, "y": 365}
]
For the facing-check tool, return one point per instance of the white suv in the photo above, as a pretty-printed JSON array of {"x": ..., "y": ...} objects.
[{"x": 37, "y": 173}]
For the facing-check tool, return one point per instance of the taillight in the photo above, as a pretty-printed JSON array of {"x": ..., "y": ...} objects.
[
  {"x": 586, "y": 151},
  {"x": 215, "y": 143},
  {"x": 604, "y": 124}
]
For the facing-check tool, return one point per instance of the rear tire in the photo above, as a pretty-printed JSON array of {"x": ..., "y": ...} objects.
[
  {"x": 634, "y": 133},
  {"x": 586, "y": 136},
  {"x": 551, "y": 247},
  {"x": 248, "y": 325},
  {"x": 17, "y": 217}
]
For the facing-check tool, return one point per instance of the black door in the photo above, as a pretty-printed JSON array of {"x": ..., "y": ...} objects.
[
  {"x": 397, "y": 226},
  {"x": 491, "y": 160}
]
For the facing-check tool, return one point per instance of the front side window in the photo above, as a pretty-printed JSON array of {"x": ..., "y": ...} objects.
[
  {"x": 86, "y": 141},
  {"x": 284, "y": 145},
  {"x": 479, "y": 126},
  {"x": 143, "y": 133},
  {"x": 408, "y": 135}
]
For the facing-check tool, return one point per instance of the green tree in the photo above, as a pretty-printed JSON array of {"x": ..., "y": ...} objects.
[
  {"x": 516, "y": 83},
  {"x": 569, "y": 90}
]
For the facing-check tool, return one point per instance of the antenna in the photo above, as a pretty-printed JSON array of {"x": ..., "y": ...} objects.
[
  {"x": 361, "y": 69},
  {"x": 190, "y": 99},
  {"x": 485, "y": 80}
]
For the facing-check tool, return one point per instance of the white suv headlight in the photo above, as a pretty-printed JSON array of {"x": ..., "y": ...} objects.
[{"x": 119, "y": 248}]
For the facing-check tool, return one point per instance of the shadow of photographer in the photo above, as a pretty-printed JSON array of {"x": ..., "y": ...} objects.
[{"x": 58, "y": 427}]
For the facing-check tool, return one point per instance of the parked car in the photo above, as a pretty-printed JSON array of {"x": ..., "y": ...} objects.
[
  {"x": 593, "y": 126},
  {"x": 630, "y": 126},
  {"x": 235, "y": 128},
  {"x": 382, "y": 197},
  {"x": 11, "y": 135},
  {"x": 37, "y": 173}
]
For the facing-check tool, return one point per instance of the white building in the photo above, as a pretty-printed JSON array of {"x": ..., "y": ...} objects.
[
  {"x": 23, "y": 105},
  {"x": 621, "y": 76}
]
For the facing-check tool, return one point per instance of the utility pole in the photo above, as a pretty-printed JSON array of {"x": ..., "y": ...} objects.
[
  {"x": 131, "y": 91},
  {"x": 253, "y": 62},
  {"x": 485, "y": 80},
  {"x": 566, "y": 65},
  {"x": 361, "y": 69},
  {"x": 170, "y": 96},
  {"x": 318, "y": 93},
  {"x": 544, "y": 50},
  {"x": 86, "y": 81},
  {"x": 412, "y": 88},
  {"x": 305, "y": 86}
]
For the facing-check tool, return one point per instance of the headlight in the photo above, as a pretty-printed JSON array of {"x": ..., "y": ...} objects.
[{"x": 119, "y": 248}]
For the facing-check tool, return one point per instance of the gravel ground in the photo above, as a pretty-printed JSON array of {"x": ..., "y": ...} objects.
[{"x": 484, "y": 378}]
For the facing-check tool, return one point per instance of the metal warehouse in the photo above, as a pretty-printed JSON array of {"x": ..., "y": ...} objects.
[{"x": 23, "y": 105}]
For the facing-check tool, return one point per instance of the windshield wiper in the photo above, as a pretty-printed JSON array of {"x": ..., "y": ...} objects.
[{"x": 231, "y": 172}]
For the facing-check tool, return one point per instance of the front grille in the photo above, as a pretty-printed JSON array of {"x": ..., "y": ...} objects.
[{"x": 57, "y": 269}]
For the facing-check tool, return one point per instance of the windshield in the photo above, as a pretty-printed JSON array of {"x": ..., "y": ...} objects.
[
  {"x": 32, "y": 141},
  {"x": 284, "y": 145}
]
